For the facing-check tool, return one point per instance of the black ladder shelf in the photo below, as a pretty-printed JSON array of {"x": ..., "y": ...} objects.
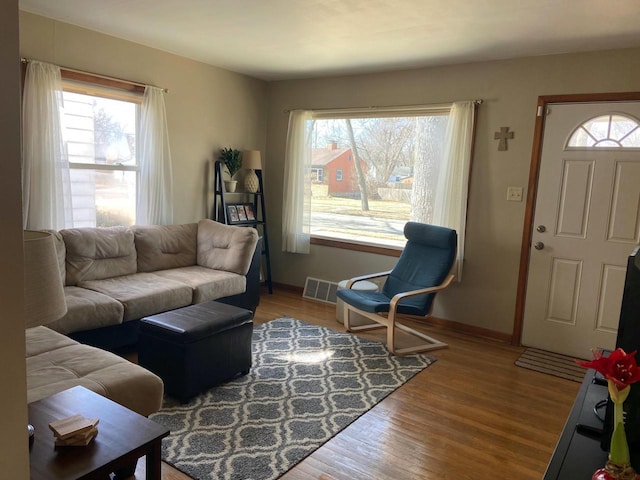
[{"x": 222, "y": 213}]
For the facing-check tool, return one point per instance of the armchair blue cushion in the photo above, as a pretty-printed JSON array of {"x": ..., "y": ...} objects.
[{"x": 425, "y": 262}]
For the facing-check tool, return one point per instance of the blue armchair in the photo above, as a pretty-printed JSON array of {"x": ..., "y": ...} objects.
[{"x": 423, "y": 269}]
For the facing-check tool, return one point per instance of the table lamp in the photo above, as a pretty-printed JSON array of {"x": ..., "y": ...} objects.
[
  {"x": 251, "y": 161},
  {"x": 43, "y": 290}
]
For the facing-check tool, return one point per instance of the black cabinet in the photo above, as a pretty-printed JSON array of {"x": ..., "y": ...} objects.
[
  {"x": 243, "y": 209},
  {"x": 578, "y": 453}
]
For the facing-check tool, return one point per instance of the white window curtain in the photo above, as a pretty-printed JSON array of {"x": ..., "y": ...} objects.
[
  {"x": 450, "y": 203},
  {"x": 155, "y": 182},
  {"x": 296, "y": 214},
  {"x": 46, "y": 186}
]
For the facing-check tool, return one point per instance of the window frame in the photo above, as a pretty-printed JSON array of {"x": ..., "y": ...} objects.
[
  {"x": 607, "y": 138},
  {"x": 319, "y": 174},
  {"x": 389, "y": 251},
  {"x": 373, "y": 112},
  {"x": 96, "y": 86}
]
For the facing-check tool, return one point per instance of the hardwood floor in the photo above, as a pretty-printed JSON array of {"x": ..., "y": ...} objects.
[{"x": 471, "y": 415}]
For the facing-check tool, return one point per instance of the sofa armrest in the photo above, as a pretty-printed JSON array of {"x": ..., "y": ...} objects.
[
  {"x": 225, "y": 247},
  {"x": 251, "y": 296}
]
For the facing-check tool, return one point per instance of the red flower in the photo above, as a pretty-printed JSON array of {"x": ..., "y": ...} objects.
[{"x": 619, "y": 367}]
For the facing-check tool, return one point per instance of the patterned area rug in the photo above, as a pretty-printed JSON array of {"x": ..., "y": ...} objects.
[
  {"x": 551, "y": 364},
  {"x": 307, "y": 383}
]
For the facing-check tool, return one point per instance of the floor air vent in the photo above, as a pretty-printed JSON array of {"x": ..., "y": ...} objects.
[{"x": 322, "y": 290}]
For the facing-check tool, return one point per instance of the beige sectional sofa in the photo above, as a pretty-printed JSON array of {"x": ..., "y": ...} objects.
[
  {"x": 55, "y": 362},
  {"x": 115, "y": 276}
]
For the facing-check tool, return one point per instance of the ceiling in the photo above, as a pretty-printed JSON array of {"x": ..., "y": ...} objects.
[{"x": 285, "y": 39}]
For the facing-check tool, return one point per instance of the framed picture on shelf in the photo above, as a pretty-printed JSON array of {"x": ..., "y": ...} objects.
[
  {"x": 238, "y": 213},
  {"x": 232, "y": 214},
  {"x": 242, "y": 216},
  {"x": 248, "y": 209}
]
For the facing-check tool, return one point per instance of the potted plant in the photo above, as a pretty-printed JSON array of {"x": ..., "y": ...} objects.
[{"x": 233, "y": 161}]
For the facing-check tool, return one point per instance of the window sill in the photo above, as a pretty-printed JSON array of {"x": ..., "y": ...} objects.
[{"x": 389, "y": 251}]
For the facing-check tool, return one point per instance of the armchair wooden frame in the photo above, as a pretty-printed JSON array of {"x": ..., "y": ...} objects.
[{"x": 388, "y": 319}]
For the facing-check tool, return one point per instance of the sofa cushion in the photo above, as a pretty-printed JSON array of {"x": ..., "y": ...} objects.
[
  {"x": 226, "y": 247},
  {"x": 61, "y": 253},
  {"x": 207, "y": 284},
  {"x": 98, "y": 253},
  {"x": 143, "y": 294},
  {"x": 55, "y": 363},
  {"x": 159, "y": 247},
  {"x": 87, "y": 310}
]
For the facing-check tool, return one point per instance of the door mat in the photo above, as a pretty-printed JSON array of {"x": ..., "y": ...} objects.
[{"x": 551, "y": 364}]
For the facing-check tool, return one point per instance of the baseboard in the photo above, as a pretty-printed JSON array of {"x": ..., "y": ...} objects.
[
  {"x": 290, "y": 288},
  {"x": 433, "y": 321},
  {"x": 465, "y": 328}
]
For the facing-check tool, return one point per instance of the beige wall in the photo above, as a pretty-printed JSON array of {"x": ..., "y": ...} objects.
[
  {"x": 207, "y": 107},
  {"x": 14, "y": 461},
  {"x": 486, "y": 297}
]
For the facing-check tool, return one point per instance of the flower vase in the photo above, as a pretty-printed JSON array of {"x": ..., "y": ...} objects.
[
  {"x": 618, "y": 466},
  {"x": 615, "y": 472},
  {"x": 621, "y": 370}
]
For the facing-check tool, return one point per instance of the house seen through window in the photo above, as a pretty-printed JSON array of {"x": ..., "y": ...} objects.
[
  {"x": 99, "y": 131},
  {"x": 370, "y": 175}
]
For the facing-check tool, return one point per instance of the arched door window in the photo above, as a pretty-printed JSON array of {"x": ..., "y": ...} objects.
[{"x": 607, "y": 131}]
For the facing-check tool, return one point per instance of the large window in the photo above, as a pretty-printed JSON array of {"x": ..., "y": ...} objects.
[
  {"x": 99, "y": 133},
  {"x": 95, "y": 148},
  {"x": 395, "y": 179},
  {"x": 398, "y": 164}
]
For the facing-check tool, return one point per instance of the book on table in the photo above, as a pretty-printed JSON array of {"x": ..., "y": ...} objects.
[{"x": 75, "y": 430}]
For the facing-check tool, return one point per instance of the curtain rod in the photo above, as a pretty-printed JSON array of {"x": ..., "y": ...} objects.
[
  {"x": 375, "y": 107},
  {"x": 105, "y": 77}
]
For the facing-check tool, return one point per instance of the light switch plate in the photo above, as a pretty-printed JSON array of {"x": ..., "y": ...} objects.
[{"x": 514, "y": 194}]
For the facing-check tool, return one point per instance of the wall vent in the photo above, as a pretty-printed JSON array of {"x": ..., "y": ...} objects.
[{"x": 322, "y": 290}]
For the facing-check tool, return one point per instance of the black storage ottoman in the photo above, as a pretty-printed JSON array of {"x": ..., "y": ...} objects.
[{"x": 196, "y": 347}]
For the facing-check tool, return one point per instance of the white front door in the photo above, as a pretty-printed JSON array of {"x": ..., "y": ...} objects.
[{"x": 586, "y": 223}]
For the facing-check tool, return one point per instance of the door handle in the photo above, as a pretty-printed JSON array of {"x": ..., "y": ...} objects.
[
  {"x": 541, "y": 228},
  {"x": 538, "y": 246}
]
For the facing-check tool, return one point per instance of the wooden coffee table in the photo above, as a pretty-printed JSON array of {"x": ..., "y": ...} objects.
[{"x": 123, "y": 437}]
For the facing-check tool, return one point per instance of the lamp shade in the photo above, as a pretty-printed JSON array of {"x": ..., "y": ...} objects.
[
  {"x": 251, "y": 160},
  {"x": 43, "y": 291}
]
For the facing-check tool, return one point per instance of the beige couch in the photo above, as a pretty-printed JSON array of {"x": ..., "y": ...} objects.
[
  {"x": 115, "y": 276},
  {"x": 55, "y": 362}
]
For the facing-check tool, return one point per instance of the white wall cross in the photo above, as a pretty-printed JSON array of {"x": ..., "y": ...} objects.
[{"x": 503, "y": 135}]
